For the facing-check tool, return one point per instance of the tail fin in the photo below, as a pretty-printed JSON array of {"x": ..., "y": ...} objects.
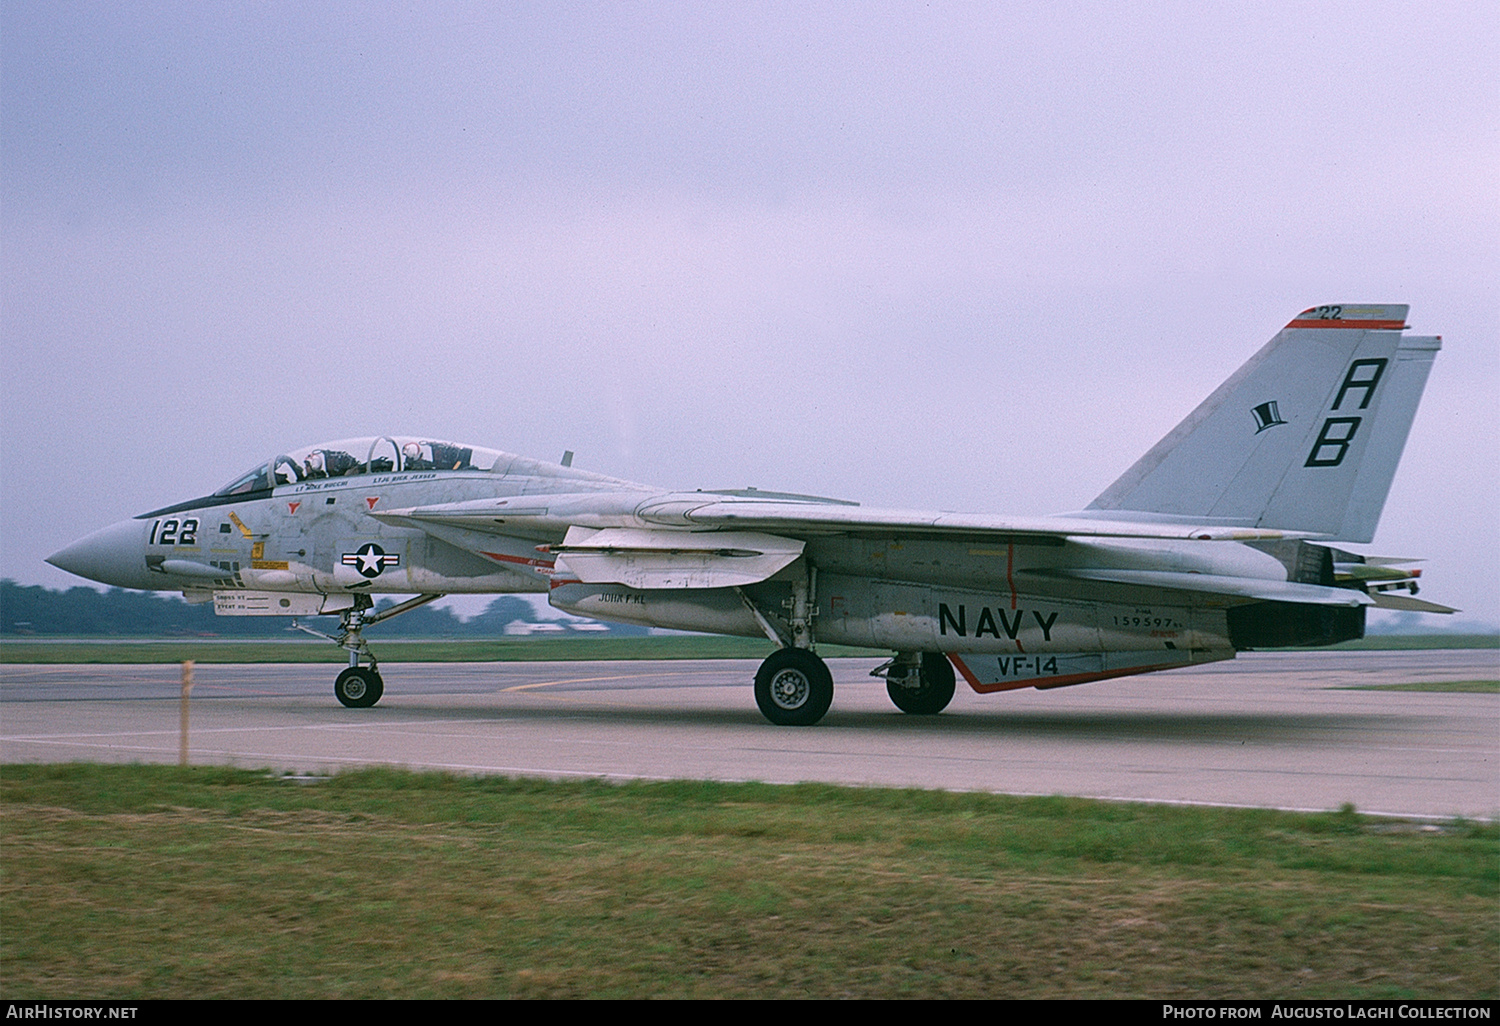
[{"x": 1304, "y": 437}]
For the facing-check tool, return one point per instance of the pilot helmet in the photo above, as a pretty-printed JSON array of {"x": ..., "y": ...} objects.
[
  {"x": 411, "y": 451},
  {"x": 315, "y": 461}
]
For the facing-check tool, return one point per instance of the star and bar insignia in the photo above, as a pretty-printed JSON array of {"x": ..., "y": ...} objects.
[{"x": 370, "y": 559}]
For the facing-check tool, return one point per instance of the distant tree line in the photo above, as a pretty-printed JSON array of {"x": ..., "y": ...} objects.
[{"x": 84, "y": 612}]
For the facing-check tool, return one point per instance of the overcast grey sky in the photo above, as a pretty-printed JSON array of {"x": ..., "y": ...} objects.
[{"x": 962, "y": 256}]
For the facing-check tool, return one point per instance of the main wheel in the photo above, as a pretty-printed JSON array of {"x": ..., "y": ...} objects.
[
  {"x": 793, "y": 688},
  {"x": 358, "y": 687},
  {"x": 935, "y": 692}
]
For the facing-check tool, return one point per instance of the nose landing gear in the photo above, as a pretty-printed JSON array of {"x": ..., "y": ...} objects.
[{"x": 360, "y": 687}]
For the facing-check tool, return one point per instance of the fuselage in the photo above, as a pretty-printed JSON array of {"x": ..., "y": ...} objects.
[{"x": 285, "y": 531}]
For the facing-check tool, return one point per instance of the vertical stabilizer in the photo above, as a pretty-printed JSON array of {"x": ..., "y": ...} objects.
[{"x": 1304, "y": 437}]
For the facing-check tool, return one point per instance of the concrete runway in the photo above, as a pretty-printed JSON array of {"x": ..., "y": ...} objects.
[{"x": 1268, "y": 729}]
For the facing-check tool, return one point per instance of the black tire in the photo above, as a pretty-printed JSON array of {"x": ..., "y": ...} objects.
[
  {"x": 934, "y": 694},
  {"x": 793, "y": 688},
  {"x": 358, "y": 687}
]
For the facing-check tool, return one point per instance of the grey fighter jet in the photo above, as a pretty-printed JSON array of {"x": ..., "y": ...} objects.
[{"x": 1218, "y": 540}]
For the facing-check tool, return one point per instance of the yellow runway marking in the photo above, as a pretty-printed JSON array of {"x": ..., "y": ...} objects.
[{"x": 587, "y": 680}]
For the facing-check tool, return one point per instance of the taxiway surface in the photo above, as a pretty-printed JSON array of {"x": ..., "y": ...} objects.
[{"x": 1286, "y": 730}]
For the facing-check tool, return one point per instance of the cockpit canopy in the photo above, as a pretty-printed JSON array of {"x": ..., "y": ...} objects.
[{"x": 354, "y": 456}]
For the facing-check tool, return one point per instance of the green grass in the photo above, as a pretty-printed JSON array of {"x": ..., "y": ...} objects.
[
  {"x": 157, "y": 882},
  {"x": 1468, "y": 687}
]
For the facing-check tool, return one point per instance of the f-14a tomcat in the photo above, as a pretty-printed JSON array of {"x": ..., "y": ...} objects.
[{"x": 1218, "y": 540}]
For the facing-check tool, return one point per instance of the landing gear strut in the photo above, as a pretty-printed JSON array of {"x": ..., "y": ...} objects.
[
  {"x": 360, "y": 687},
  {"x": 793, "y": 686},
  {"x": 919, "y": 684}
]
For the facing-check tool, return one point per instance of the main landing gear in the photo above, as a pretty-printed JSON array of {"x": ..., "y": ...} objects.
[
  {"x": 360, "y": 687},
  {"x": 919, "y": 683},
  {"x": 793, "y": 688}
]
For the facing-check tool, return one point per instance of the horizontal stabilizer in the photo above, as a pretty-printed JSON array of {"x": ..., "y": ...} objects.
[
  {"x": 1260, "y": 588},
  {"x": 1372, "y": 571},
  {"x": 1389, "y": 600}
]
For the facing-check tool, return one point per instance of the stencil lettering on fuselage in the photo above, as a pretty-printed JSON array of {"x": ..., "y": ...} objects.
[{"x": 990, "y": 621}]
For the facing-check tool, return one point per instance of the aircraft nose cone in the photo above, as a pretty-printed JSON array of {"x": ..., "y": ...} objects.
[{"x": 115, "y": 555}]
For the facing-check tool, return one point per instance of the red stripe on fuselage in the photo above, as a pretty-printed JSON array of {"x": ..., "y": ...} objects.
[
  {"x": 1313, "y": 322},
  {"x": 501, "y": 557},
  {"x": 1046, "y": 683}
]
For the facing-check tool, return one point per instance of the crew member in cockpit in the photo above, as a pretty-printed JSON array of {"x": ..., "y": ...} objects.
[{"x": 411, "y": 458}]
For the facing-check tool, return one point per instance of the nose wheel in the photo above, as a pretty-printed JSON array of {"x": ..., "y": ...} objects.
[{"x": 359, "y": 687}]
